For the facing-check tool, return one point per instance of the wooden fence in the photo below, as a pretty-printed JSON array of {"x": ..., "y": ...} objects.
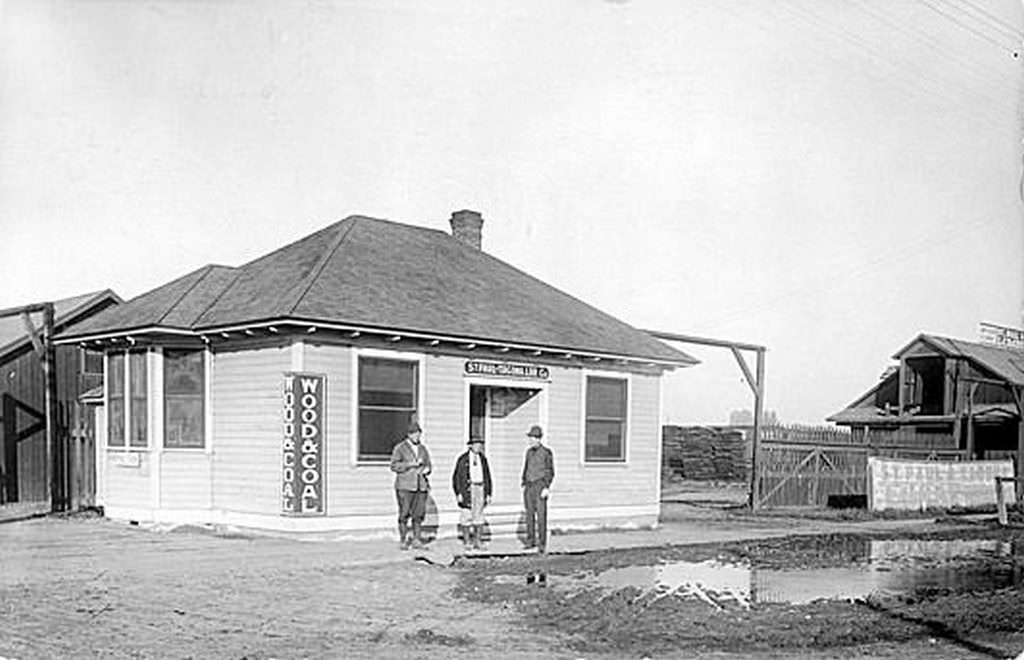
[{"x": 802, "y": 466}]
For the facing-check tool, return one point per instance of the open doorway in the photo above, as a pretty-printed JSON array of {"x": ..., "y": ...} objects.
[{"x": 500, "y": 416}]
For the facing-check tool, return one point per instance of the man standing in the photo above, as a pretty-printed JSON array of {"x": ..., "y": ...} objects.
[
  {"x": 538, "y": 473},
  {"x": 410, "y": 461},
  {"x": 471, "y": 482}
]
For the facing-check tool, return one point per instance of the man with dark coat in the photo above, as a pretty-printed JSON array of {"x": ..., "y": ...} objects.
[
  {"x": 538, "y": 473},
  {"x": 410, "y": 461},
  {"x": 471, "y": 481}
]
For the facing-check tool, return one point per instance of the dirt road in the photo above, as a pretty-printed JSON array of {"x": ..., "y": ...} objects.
[
  {"x": 94, "y": 589},
  {"x": 90, "y": 588}
]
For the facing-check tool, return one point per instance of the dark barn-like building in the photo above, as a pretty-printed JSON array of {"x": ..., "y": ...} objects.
[
  {"x": 24, "y": 465},
  {"x": 946, "y": 393}
]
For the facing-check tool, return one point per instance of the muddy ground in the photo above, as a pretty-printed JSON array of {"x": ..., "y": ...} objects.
[
  {"x": 964, "y": 622},
  {"x": 90, "y": 588}
]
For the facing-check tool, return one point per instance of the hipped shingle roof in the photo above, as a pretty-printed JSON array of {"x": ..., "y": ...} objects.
[{"x": 380, "y": 274}]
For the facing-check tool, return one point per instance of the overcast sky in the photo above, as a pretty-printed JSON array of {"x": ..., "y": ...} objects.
[{"x": 825, "y": 178}]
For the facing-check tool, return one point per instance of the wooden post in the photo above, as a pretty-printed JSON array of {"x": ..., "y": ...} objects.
[
  {"x": 970, "y": 420},
  {"x": 1001, "y": 502},
  {"x": 755, "y": 483},
  {"x": 55, "y": 455},
  {"x": 1018, "y": 398}
]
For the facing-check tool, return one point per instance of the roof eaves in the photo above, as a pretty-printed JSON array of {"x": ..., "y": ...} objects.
[
  {"x": 425, "y": 335},
  {"x": 124, "y": 332}
]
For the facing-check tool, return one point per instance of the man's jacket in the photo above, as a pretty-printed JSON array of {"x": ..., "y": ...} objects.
[
  {"x": 460, "y": 479},
  {"x": 403, "y": 463}
]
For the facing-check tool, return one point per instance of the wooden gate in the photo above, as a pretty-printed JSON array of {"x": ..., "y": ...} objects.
[{"x": 793, "y": 474}]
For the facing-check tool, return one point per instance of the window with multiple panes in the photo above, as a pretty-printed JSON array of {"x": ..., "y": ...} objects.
[
  {"x": 138, "y": 383},
  {"x": 605, "y": 438},
  {"x": 128, "y": 399},
  {"x": 387, "y": 402},
  {"x": 184, "y": 377},
  {"x": 115, "y": 400}
]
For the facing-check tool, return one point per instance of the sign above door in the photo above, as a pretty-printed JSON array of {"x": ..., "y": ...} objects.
[{"x": 507, "y": 370}]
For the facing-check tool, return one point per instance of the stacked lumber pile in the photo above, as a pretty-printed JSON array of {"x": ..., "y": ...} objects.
[{"x": 709, "y": 453}]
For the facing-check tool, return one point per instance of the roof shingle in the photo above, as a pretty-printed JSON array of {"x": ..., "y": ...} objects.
[{"x": 382, "y": 274}]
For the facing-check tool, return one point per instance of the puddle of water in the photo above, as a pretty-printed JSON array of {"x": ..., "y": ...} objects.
[{"x": 883, "y": 567}]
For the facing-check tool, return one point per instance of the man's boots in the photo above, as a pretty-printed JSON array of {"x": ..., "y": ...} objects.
[
  {"x": 403, "y": 541},
  {"x": 477, "y": 537},
  {"x": 417, "y": 539}
]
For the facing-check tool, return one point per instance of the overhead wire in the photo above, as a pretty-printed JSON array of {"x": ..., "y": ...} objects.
[
  {"x": 989, "y": 20},
  {"x": 921, "y": 82},
  {"x": 965, "y": 26},
  {"x": 975, "y": 69},
  {"x": 861, "y": 268}
]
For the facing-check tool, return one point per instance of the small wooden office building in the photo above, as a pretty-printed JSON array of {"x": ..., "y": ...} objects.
[{"x": 270, "y": 395}]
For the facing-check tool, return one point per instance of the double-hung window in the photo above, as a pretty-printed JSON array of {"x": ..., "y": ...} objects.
[
  {"x": 607, "y": 402},
  {"x": 128, "y": 399},
  {"x": 184, "y": 415},
  {"x": 387, "y": 402}
]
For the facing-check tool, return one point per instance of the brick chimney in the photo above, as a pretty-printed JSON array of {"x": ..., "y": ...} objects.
[{"x": 466, "y": 227}]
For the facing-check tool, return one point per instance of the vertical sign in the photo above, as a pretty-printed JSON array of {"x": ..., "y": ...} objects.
[{"x": 302, "y": 462}]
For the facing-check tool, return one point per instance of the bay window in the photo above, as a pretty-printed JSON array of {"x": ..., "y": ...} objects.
[
  {"x": 184, "y": 415},
  {"x": 127, "y": 399}
]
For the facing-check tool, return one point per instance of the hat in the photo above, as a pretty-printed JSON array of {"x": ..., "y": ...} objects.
[
  {"x": 474, "y": 440},
  {"x": 535, "y": 432},
  {"x": 413, "y": 428}
]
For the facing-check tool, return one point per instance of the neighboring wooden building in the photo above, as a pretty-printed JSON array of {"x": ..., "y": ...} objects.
[
  {"x": 270, "y": 395},
  {"x": 945, "y": 394},
  {"x": 24, "y": 469}
]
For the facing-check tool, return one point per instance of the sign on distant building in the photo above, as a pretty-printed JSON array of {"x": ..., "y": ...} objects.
[
  {"x": 999, "y": 335},
  {"x": 302, "y": 468}
]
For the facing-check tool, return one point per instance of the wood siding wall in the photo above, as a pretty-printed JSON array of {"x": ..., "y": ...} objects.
[
  {"x": 580, "y": 484},
  {"x": 129, "y": 485},
  {"x": 241, "y": 471},
  {"x": 185, "y": 480},
  {"x": 246, "y": 396}
]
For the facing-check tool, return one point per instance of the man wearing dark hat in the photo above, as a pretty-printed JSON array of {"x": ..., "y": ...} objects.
[
  {"x": 538, "y": 473},
  {"x": 410, "y": 461},
  {"x": 471, "y": 482}
]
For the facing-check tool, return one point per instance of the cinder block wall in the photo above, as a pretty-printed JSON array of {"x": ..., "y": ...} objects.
[{"x": 901, "y": 484}]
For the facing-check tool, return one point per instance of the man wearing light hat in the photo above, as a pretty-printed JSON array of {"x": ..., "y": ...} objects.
[
  {"x": 410, "y": 461},
  {"x": 471, "y": 481},
  {"x": 538, "y": 473}
]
